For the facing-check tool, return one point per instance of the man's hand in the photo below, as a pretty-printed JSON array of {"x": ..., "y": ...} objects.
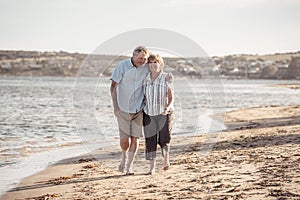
[
  {"x": 169, "y": 78},
  {"x": 117, "y": 112}
]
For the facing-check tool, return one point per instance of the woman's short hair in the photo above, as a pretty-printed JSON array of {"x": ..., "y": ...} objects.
[{"x": 157, "y": 58}]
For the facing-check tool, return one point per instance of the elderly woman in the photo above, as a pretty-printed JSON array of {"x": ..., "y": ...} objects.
[{"x": 157, "y": 118}]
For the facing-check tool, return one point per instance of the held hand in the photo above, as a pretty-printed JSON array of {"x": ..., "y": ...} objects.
[
  {"x": 169, "y": 78},
  {"x": 167, "y": 109}
]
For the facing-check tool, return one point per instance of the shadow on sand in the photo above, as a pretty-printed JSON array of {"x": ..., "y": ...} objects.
[{"x": 240, "y": 143}]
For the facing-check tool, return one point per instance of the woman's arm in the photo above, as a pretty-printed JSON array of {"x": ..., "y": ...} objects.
[{"x": 170, "y": 101}]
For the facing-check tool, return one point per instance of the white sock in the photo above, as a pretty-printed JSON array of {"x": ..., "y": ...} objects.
[
  {"x": 123, "y": 161},
  {"x": 123, "y": 157},
  {"x": 129, "y": 165}
]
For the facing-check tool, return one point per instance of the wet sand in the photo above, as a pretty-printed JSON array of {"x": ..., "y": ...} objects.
[
  {"x": 257, "y": 158},
  {"x": 290, "y": 86}
]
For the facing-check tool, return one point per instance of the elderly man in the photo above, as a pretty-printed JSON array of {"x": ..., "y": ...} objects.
[{"x": 127, "y": 96}]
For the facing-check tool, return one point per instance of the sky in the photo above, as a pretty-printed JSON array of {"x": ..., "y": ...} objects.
[{"x": 220, "y": 27}]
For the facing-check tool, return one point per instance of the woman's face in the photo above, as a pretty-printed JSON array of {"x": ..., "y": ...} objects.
[{"x": 154, "y": 66}]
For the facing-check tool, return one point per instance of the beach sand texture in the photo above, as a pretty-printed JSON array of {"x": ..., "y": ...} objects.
[{"x": 257, "y": 158}]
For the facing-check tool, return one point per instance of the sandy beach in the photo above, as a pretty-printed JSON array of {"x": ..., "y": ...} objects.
[{"x": 257, "y": 158}]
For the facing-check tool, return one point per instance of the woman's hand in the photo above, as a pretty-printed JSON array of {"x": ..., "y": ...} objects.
[{"x": 167, "y": 110}]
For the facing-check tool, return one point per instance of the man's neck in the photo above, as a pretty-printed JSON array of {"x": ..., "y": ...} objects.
[{"x": 133, "y": 63}]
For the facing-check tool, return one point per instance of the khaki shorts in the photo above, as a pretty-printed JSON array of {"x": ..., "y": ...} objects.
[{"x": 130, "y": 124}]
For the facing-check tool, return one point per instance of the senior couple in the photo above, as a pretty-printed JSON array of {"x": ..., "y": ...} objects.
[{"x": 142, "y": 96}]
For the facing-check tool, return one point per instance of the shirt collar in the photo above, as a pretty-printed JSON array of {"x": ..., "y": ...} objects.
[
  {"x": 132, "y": 63},
  {"x": 157, "y": 78}
]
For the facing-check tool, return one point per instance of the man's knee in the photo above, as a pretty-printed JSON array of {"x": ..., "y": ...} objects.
[
  {"x": 124, "y": 142},
  {"x": 134, "y": 140}
]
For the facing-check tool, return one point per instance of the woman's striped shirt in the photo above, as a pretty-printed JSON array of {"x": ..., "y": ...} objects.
[{"x": 156, "y": 94}]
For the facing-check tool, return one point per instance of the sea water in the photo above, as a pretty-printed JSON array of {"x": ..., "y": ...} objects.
[{"x": 46, "y": 119}]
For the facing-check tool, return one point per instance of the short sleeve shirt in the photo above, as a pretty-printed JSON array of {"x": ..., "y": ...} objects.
[{"x": 130, "y": 79}]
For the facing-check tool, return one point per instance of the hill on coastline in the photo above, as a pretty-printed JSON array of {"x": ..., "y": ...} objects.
[{"x": 36, "y": 63}]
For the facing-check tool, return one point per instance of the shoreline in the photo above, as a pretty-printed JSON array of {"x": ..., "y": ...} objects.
[
  {"x": 12, "y": 175},
  {"x": 38, "y": 162},
  {"x": 33, "y": 164},
  {"x": 239, "y": 162},
  {"x": 290, "y": 86}
]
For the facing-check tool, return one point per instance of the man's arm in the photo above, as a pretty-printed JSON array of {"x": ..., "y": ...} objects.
[{"x": 113, "y": 93}]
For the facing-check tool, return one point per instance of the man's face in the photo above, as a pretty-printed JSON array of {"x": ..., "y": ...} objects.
[{"x": 139, "y": 59}]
